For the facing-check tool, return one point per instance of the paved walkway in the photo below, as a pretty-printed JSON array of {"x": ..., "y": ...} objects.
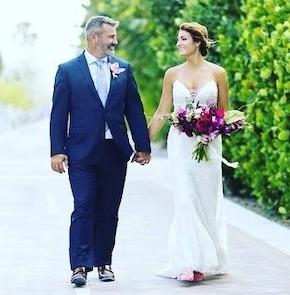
[{"x": 34, "y": 220}]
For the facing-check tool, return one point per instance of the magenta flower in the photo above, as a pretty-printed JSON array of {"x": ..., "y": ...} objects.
[
  {"x": 220, "y": 113},
  {"x": 115, "y": 69}
]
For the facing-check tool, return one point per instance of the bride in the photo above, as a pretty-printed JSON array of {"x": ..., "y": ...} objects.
[{"x": 197, "y": 243}]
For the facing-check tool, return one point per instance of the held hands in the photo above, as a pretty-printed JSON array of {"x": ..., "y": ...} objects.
[
  {"x": 59, "y": 162},
  {"x": 141, "y": 158}
]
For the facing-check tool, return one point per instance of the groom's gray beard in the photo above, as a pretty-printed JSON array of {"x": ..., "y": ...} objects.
[{"x": 111, "y": 49}]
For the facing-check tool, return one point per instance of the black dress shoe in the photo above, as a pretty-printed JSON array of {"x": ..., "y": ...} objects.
[
  {"x": 79, "y": 277},
  {"x": 105, "y": 273}
]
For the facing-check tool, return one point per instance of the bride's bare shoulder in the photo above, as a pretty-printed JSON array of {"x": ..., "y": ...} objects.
[
  {"x": 171, "y": 72},
  {"x": 216, "y": 69},
  {"x": 219, "y": 73}
]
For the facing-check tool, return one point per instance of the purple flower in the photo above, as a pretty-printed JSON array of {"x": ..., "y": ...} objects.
[
  {"x": 181, "y": 113},
  {"x": 228, "y": 129}
]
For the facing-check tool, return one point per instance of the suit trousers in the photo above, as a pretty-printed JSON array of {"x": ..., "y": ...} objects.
[{"x": 97, "y": 190}]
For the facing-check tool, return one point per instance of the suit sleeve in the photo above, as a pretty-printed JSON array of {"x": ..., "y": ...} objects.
[
  {"x": 134, "y": 113},
  {"x": 59, "y": 113}
]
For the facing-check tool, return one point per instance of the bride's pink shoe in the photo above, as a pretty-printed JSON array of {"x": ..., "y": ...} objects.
[
  {"x": 192, "y": 276},
  {"x": 198, "y": 276},
  {"x": 186, "y": 277}
]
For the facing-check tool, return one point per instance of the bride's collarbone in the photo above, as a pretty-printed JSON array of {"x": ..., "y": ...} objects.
[
  {"x": 194, "y": 82},
  {"x": 197, "y": 86},
  {"x": 195, "y": 79}
]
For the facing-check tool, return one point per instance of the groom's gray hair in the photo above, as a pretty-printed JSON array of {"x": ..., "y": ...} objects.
[{"x": 95, "y": 24}]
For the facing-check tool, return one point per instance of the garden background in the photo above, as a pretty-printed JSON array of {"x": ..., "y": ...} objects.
[{"x": 253, "y": 42}]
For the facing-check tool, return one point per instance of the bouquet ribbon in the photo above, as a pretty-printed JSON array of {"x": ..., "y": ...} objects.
[{"x": 221, "y": 158}]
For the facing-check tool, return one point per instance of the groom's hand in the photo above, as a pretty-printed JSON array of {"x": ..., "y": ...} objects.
[
  {"x": 59, "y": 162},
  {"x": 141, "y": 157}
]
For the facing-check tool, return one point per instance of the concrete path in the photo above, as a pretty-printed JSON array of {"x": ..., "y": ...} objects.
[{"x": 34, "y": 219}]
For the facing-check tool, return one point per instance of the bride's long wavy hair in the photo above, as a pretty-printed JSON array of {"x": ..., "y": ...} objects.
[{"x": 198, "y": 33}]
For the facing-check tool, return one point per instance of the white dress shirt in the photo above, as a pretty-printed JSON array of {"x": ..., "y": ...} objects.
[{"x": 93, "y": 70}]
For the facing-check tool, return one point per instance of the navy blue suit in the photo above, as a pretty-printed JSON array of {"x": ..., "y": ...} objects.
[{"x": 97, "y": 167}]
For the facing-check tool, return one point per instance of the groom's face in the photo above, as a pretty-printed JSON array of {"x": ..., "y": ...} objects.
[{"x": 107, "y": 39}]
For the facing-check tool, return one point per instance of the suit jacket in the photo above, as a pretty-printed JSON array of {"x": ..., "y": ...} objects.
[{"x": 77, "y": 125}]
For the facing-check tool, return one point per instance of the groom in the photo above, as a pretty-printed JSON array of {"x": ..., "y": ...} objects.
[{"x": 93, "y": 93}]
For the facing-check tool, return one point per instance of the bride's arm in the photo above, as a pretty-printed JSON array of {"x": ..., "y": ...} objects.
[
  {"x": 165, "y": 104},
  {"x": 223, "y": 89}
]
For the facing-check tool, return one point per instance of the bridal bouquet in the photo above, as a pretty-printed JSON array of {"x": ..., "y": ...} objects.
[{"x": 206, "y": 122}]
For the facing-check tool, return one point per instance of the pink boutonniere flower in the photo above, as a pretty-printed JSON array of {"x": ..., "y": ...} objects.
[{"x": 115, "y": 69}]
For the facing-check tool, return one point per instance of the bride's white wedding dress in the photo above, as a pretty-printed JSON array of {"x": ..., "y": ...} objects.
[{"x": 198, "y": 237}]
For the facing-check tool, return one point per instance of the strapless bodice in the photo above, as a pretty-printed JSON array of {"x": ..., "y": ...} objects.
[{"x": 207, "y": 94}]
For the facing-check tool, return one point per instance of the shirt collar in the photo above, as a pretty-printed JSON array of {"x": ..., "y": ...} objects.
[{"x": 91, "y": 59}]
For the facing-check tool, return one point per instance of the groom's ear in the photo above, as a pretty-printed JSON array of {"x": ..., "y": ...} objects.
[
  {"x": 91, "y": 36},
  {"x": 94, "y": 35}
]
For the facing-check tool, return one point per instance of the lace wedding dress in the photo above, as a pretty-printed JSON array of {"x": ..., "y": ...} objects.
[{"x": 198, "y": 237}]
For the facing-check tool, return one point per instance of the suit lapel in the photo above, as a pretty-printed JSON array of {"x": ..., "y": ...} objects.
[
  {"x": 113, "y": 82},
  {"x": 83, "y": 66}
]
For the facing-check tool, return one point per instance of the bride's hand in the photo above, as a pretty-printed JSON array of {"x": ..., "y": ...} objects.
[
  {"x": 141, "y": 158},
  {"x": 161, "y": 117}
]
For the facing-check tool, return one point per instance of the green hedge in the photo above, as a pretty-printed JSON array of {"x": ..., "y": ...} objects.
[{"x": 260, "y": 72}]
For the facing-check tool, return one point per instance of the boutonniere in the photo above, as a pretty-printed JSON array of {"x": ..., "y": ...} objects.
[{"x": 115, "y": 69}]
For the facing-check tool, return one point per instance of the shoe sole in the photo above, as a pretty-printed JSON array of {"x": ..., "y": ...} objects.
[
  {"x": 190, "y": 281},
  {"x": 79, "y": 282},
  {"x": 107, "y": 279},
  {"x": 185, "y": 281}
]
